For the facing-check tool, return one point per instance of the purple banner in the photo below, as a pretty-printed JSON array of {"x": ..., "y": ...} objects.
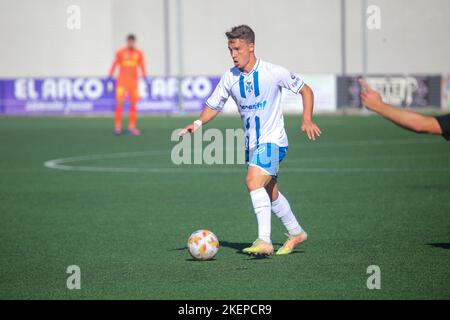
[{"x": 23, "y": 96}]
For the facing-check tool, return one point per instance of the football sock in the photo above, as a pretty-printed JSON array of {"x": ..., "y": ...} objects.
[
  {"x": 261, "y": 205},
  {"x": 282, "y": 210},
  {"x": 118, "y": 118},
  {"x": 132, "y": 123}
]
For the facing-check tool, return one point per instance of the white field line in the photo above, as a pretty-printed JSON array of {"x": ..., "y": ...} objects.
[{"x": 62, "y": 163}]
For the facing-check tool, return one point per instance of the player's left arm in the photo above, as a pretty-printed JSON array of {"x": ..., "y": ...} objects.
[
  {"x": 141, "y": 64},
  {"x": 308, "y": 125}
]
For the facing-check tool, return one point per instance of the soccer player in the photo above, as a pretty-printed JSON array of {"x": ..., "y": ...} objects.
[
  {"x": 129, "y": 59},
  {"x": 255, "y": 86},
  {"x": 407, "y": 119}
]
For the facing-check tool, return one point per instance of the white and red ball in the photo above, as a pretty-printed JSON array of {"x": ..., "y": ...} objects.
[{"x": 203, "y": 245}]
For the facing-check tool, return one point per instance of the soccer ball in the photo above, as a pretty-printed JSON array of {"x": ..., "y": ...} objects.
[{"x": 203, "y": 245}]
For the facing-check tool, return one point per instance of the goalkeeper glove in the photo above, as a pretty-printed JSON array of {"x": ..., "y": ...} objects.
[{"x": 110, "y": 84}]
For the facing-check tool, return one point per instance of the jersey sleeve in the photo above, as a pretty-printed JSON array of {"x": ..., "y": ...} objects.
[
  {"x": 289, "y": 80},
  {"x": 220, "y": 94},
  {"x": 141, "y": 63},
  {"x": 444, "y": 123}
]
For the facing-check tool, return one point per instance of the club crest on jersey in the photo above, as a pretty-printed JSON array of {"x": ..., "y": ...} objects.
[
  {"x": 249, "y": 87},
  {"x": 296, "y": 82}
]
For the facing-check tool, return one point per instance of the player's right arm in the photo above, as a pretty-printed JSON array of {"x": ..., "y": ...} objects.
[
  {"x": 407, "y": 119},
  {"x": 113, "y": 66},
  {"x": 111, "y": 72},
  {"x": 214, "y": 105}
]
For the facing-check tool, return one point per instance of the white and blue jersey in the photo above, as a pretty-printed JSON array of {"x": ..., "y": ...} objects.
[{"x": 257, "y": 95}]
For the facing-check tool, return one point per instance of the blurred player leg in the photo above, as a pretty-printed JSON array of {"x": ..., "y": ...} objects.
[
  {"x": 120, "y": 96},
  {"x": 118, "y": 119},
  {"x": 134, "y": 97}
]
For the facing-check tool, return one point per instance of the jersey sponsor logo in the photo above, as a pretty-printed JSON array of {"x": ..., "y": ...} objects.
[
  {"x": 129, "y": 63},
  {"x": 255, "y": 106}
]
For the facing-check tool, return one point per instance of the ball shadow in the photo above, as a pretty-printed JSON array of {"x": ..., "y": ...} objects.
[{"x": 196, "y": 260}]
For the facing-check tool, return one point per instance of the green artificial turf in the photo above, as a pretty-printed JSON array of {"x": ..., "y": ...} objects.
[{"x": 367, "y": 192}]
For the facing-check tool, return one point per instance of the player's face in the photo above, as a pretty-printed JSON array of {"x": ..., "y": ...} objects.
[
  {"x": 130, "y": 44},
  {"x": 240, "y": 52}
]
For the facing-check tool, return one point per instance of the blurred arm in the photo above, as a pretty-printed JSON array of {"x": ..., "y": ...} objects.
[
  {"x": 406, "y": 119},
  {"x": 142, "y": 65},
  {"x": 113, "y": 67}
]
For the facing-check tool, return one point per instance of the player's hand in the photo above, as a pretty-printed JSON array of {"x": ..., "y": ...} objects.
[
  {"x": 369, "y": 97},
  {"x": 110, "y": 85},
  {"x": 189, "y": 128},
  {"x": 311, "y": 129}
]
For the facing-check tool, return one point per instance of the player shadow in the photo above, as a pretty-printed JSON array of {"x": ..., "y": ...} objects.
[
  {"x": 429, "y": 187},
  {"x": 178, "y": 249},
  {"x": 440, "y": 245},
  {"x": 239, "y": 246}
]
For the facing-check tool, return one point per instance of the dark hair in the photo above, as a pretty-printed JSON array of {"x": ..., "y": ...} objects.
[
  {"x": 242, "y": 32},
  {"x": 131, "y": 37}
]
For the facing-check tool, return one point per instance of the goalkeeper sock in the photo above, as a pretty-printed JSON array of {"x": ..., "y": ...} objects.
[
  {"x": 118, "y": 118},
  {"x": 261, "y": 205},
  {"x": 282, "y": 210},
  {"x": 133, "y": 117}
]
